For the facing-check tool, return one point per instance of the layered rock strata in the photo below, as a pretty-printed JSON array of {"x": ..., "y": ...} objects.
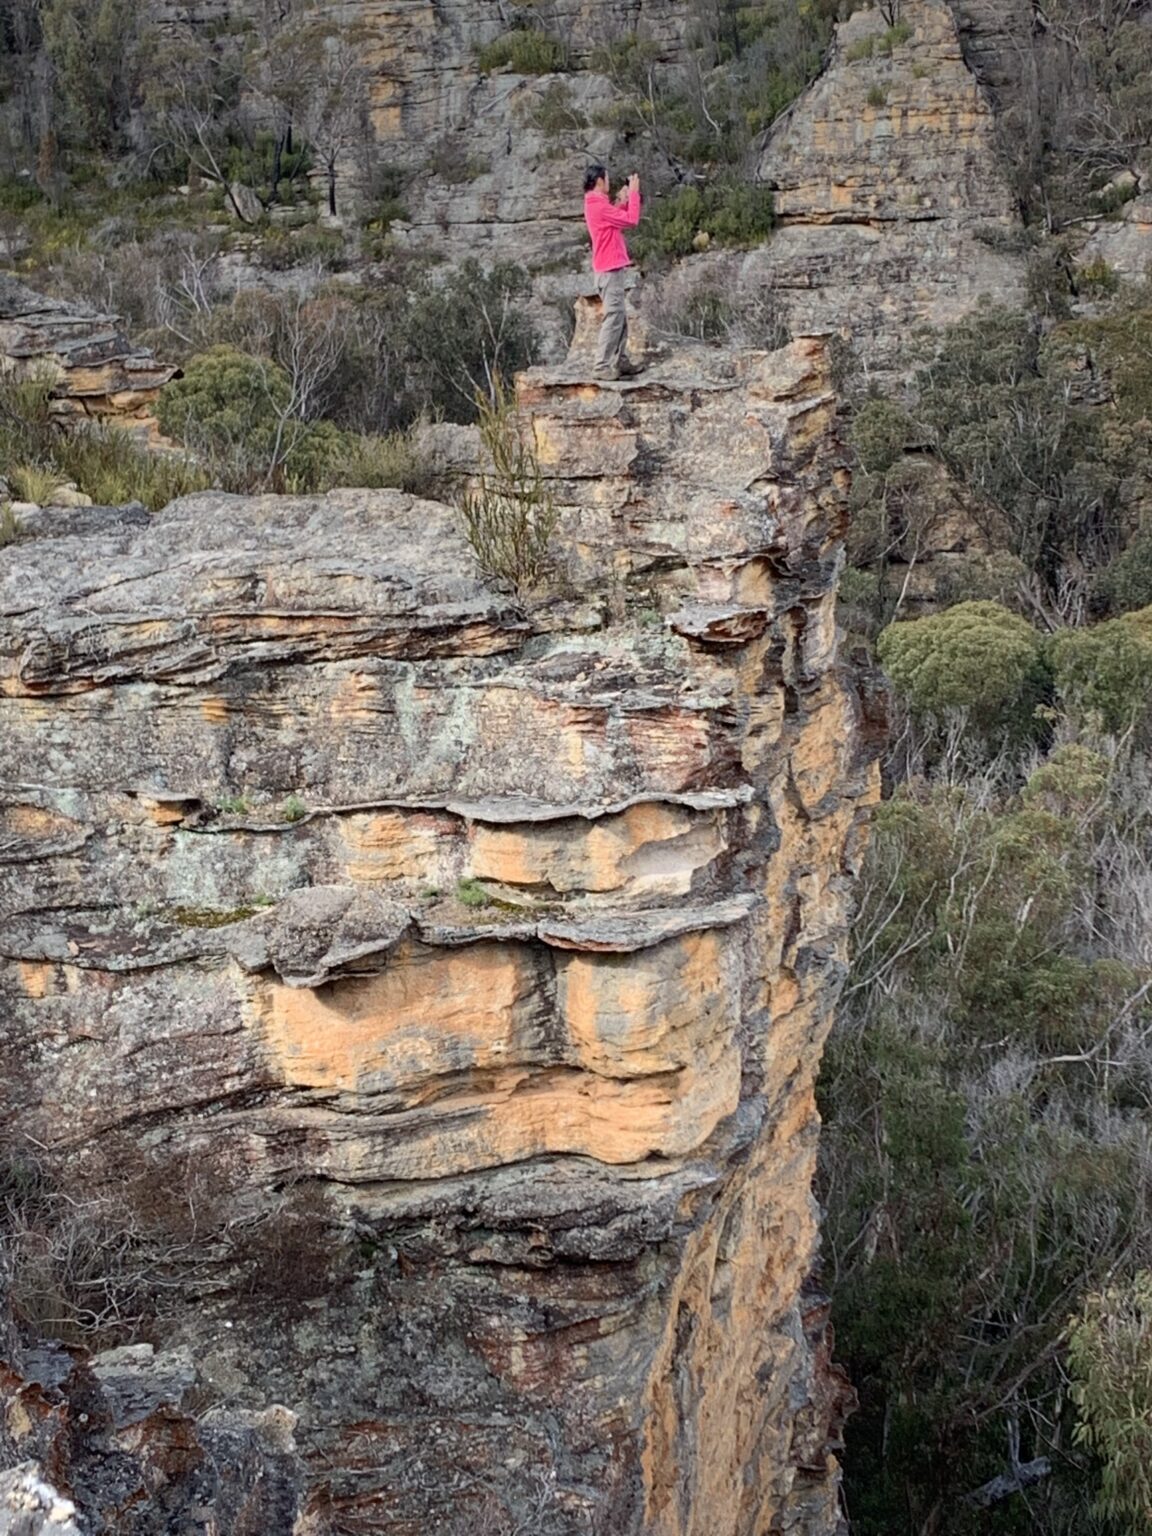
[
  {"x": 95, "y": 371},
  {"x": 894, "y": 210},
  {"x": 509, "y": 931}
]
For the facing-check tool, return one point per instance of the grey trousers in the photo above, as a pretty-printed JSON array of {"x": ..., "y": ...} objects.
[{"x": 614, "y": 326}]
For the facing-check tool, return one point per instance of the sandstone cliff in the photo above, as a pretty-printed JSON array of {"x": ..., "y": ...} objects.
[
  {"x": 509, "y": 935},
  {"x": 895, "y": 207},
  {"x": 889, "y": 189},
  {"x": 96, "y": 372}
]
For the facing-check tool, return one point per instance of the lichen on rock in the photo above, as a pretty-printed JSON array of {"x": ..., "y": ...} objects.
[{"x": 565, "y": 1133}]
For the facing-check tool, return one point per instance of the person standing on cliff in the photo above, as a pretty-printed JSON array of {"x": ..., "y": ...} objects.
[{"x": 610, "y": 260}]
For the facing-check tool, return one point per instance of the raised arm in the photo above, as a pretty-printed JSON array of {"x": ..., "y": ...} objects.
[{"x": 623, "y": 218}]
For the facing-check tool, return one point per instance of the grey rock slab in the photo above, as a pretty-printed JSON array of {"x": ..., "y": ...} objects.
[{"x": 320, "y": 933}]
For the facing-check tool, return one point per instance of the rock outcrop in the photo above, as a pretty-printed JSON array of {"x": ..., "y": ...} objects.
[
  {"x": 97, "y": 373},
  {"x": 894, "y": 211},
  {"x": 489, "y": 946},
  {"x": 115, "y": 1429}
]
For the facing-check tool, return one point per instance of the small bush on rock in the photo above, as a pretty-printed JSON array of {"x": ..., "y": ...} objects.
[
  {"x": 524, "y": 51},
  {"x": 239, "y": 415},
  {"x": 509, "y": 516},
  {"x": 722, "y": 213}
]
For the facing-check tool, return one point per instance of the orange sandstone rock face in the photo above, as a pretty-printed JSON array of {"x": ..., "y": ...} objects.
[
  {"x": 96, "y": 372},
  {"x": 894, "y": 206},
  {"x": 516, "y": 931}
]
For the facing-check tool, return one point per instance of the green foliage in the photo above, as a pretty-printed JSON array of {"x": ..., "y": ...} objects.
[
  {"x": 746, "y": 63},
  {"x": 524, "y": 51},
  {"x": 470, "y": 893},
  {"x": 19, "y": 194},
  {"x": 293, "y": 809},
  {"x": 1110, "y": 1358},
  {"x": 462, "y": 333},
  {"x": 555, "y": 112},
  {"x": 396, "y": 460},
  {"x": 984, "y": 1158},
  {"x": 977, "y": 659},
  {"x": 1097, "y": 278},
  {"x": 1126, "y": 582},
  {"x": 33, "y": 482},
  {"x": 877, "y": 95},
  {"x": 264, "y": 162},
  {"x": 226, "y": 399},
  {"x": 453, "y": 161},
  {"x": 1103, "y": 674},
  {"x": 879, "y": 44},
  {"x": 1120, "y": 344},
  {"x": 240, "y": 416},
  {"x": 509, "y": 514},
  {"x": 722, "y": 212},
  {"x": 99, "y": 59},
  {"x": 283, "y": 249},
  {"x": 107, "y": 464},
  {"x": 881, "y": 431},
  {"x": 996, "y": 403},
  {"x": 10, "y": 525}
]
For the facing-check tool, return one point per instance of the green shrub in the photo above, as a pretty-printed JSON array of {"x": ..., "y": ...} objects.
[
  {"x": 1126, "y": 582},
  {"x": 996, "y": 402},
  {"x": 236, "y": 413},
  {"x": 452, "y": 161},
  {"x": 984, "y": 1153},
  {"x": 1103, "y": 674},
  {"x": 877, "y": 95},
  {"x": 881, "y": 431},
  {"x": 105, "y": 463},
  {"x": 459, "y": 334},
  {"x": 525, "y": 51},
  {"x": 18, "y": 194},
  {"x": 1097, "y": 278},
  {"x": 862, "y": 48},
  {"x": 225, "y": 397},
  {"x": 509, "y": 515},
  {"x": 881, "y": 43},
  {"x": 555, "y": 112},
  {"x": 976, "y": 658},
  {"x": 10, "y": 526},
  {"x": 721, "y": 212},
  {"x": 395, "y": 459},
  {"x": 282, "y": 249},
  {"x": 113, "y": 468},
  {"x": 33, "y": 482},
  {"x": 1111, "y": 1365},
  {"x": 1070, "y": 782}
]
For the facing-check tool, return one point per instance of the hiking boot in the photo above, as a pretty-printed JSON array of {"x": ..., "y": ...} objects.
[
  {"x": 606, "y": 373},
  {"x": 629, "y": 369}
]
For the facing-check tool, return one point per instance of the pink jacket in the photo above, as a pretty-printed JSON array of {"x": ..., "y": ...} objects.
[{"x": 605, "y": 221}]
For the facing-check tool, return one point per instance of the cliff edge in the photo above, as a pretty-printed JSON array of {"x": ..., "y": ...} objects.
[{"x": 489, "y": 946}]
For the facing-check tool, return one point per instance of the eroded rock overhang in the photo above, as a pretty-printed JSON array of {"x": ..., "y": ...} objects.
[{"x": 518, "y": 926}]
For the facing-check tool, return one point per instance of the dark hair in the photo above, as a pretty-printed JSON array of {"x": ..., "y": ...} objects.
[{"x": 592, "y": 175}]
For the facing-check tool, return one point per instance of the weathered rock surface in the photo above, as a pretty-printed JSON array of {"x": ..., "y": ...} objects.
[
  {"x": 514, "y": 932},
  {"x": 1124, "y": 243},
  {"x": 29, "y": 1507},
  {"x": 887, "y": 169},
  {"x": 114, "y": 1429},
  {"x": 886, "y": 175},
  {"x": 97, "y": 373}
]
